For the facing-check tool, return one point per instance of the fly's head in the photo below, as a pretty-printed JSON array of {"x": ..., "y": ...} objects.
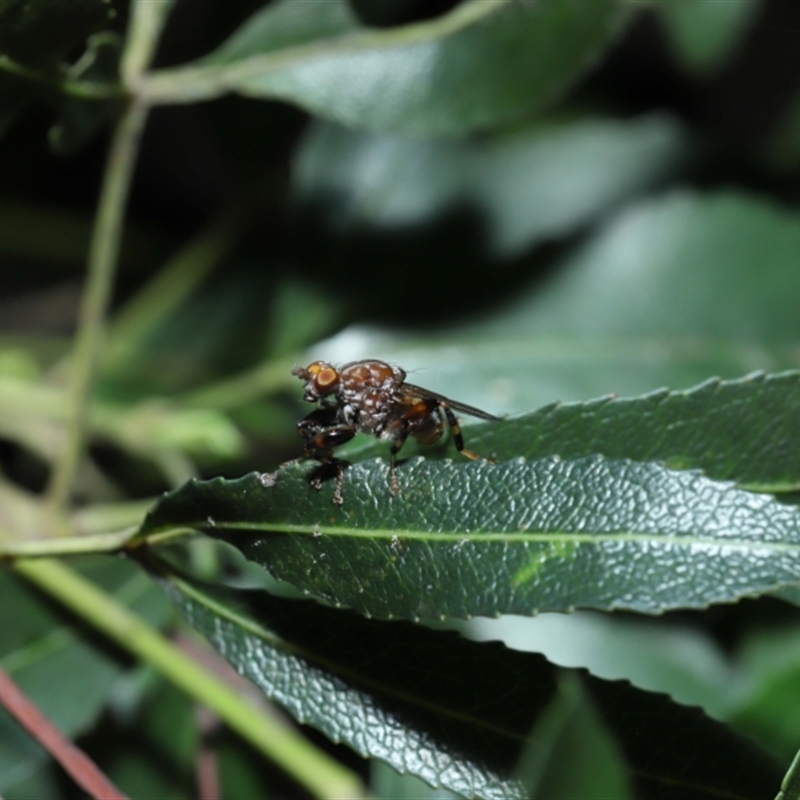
[{"x": 322, "y": 380}]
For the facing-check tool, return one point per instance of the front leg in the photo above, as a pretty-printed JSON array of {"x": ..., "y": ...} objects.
[
  {"x": 397, "y": 443},
  {"x": 322, "y": 432},
  {"x": 319, "y": 446}
]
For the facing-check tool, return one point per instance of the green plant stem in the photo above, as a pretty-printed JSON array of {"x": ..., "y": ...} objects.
[
  {"x": 790, "y": 786},
  {"x": 210, "y": 80},
  {"x": 103, "y": 256},
  {"x": 321, "y": 775},
  {"x": 64, "y": 545},
  {"x": 84, "y": 90},
  {"x": 147, "y": 20}
]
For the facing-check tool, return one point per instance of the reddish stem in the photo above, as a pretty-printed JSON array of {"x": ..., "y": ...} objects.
[{"x": 82, "y": 769}]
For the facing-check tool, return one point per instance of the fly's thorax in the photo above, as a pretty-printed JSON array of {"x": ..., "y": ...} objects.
[
  {"x": 368, "y": 391},
  {"x": 370, "y": 375}
]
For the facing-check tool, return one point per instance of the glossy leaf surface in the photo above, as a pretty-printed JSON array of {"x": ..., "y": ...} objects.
[
  {"x": 486, "y": 63},
  {"x": 747, "y": 431},
  {"x": 490, "y": 539},
  {"x": 453, "y": 712}
]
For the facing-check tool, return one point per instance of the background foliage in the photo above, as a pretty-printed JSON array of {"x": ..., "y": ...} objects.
[{"x": 579, "y": 216}]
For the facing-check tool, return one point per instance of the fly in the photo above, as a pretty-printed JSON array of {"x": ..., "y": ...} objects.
[{"x": 373, "y": 397}]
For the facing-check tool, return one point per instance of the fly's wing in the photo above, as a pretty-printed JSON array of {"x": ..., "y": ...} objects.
[{"x": 454, "y": 404}]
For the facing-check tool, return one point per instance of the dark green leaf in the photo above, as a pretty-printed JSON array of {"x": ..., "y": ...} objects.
[
  {"x": 388, "y": 784},
  {"x": 571, "y": 732},
  {"x": 65, "y": 671},
  {"x": 654, "y": 654},
  {"x": 782, "y": 149},
  {"x": 45, "y": 781},
  {"x": 747, "y": 431},
  {"x": 705, "y": 32},
  {"x": 453, "y": 712},
  {"x": 766, "y": 704},
  {"x": 164, "y": 722},
  {"x": 523, "y": 186},
  {"x": 717, "y": 272},
  {"x": 489, "y": 539},
  {"x": 487, "y": 63}
]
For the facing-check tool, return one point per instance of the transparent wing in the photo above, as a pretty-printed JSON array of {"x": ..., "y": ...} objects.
[{"x": 454, "y": 404}]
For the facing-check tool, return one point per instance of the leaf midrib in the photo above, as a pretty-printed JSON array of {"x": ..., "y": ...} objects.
[{"x": 313, "y": 529}]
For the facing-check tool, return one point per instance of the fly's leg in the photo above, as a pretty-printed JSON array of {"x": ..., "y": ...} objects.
[
  {"x": 323, "y": 472},
  {"x": 458, "y": 439},
  {"x": 397, "y": 443},
  {"x": 322, "y": 432},
  {"x": 337, "y": 492}
]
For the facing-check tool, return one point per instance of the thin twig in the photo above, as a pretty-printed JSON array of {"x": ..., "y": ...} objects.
[
  {"x": 146, "y": 22},
  {"x": 103, "y": 257},
  {"x": 82, "y": 769}
]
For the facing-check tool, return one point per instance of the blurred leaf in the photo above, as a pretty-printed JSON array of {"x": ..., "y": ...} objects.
[
  {"x": 46, "y": 781},
  {"x": 485, "y": 64},
  {"x": 571, "y": 732},
  {"x": 768, "y": 700},
  {"x": 156, "y": 302},
  {"x": 722, "y": 267},
  {"x": 388, "y": 784},
  {"x": 537, "y": 183},
  {"x": 510, "y": 538},
  {"x": 300, "y": 315},
  {"x": 58, "y": 236},
  {"x": 781, "y": 150},
  {"x": 453, "y": 712},
  {"x": 705, "y": 33},
  {"x": 242, "y": 772},
  {"x": 165, "y": 725},
  {"x": 653, "y": 654},
  {"x": 33, "y": 413},
  {"x": 18, "y": 363},
  {"x": 670, "y": 292},
  {"x": 217, "y": 328},
  {"x": 746, "y": 430},
  {"x": 64, "y": 670},
  {"x": 153, "y": 428},
  {"x": 23, "y": 515}
]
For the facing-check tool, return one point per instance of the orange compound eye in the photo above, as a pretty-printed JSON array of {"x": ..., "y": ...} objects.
[{"x": 326, "y": 377}]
